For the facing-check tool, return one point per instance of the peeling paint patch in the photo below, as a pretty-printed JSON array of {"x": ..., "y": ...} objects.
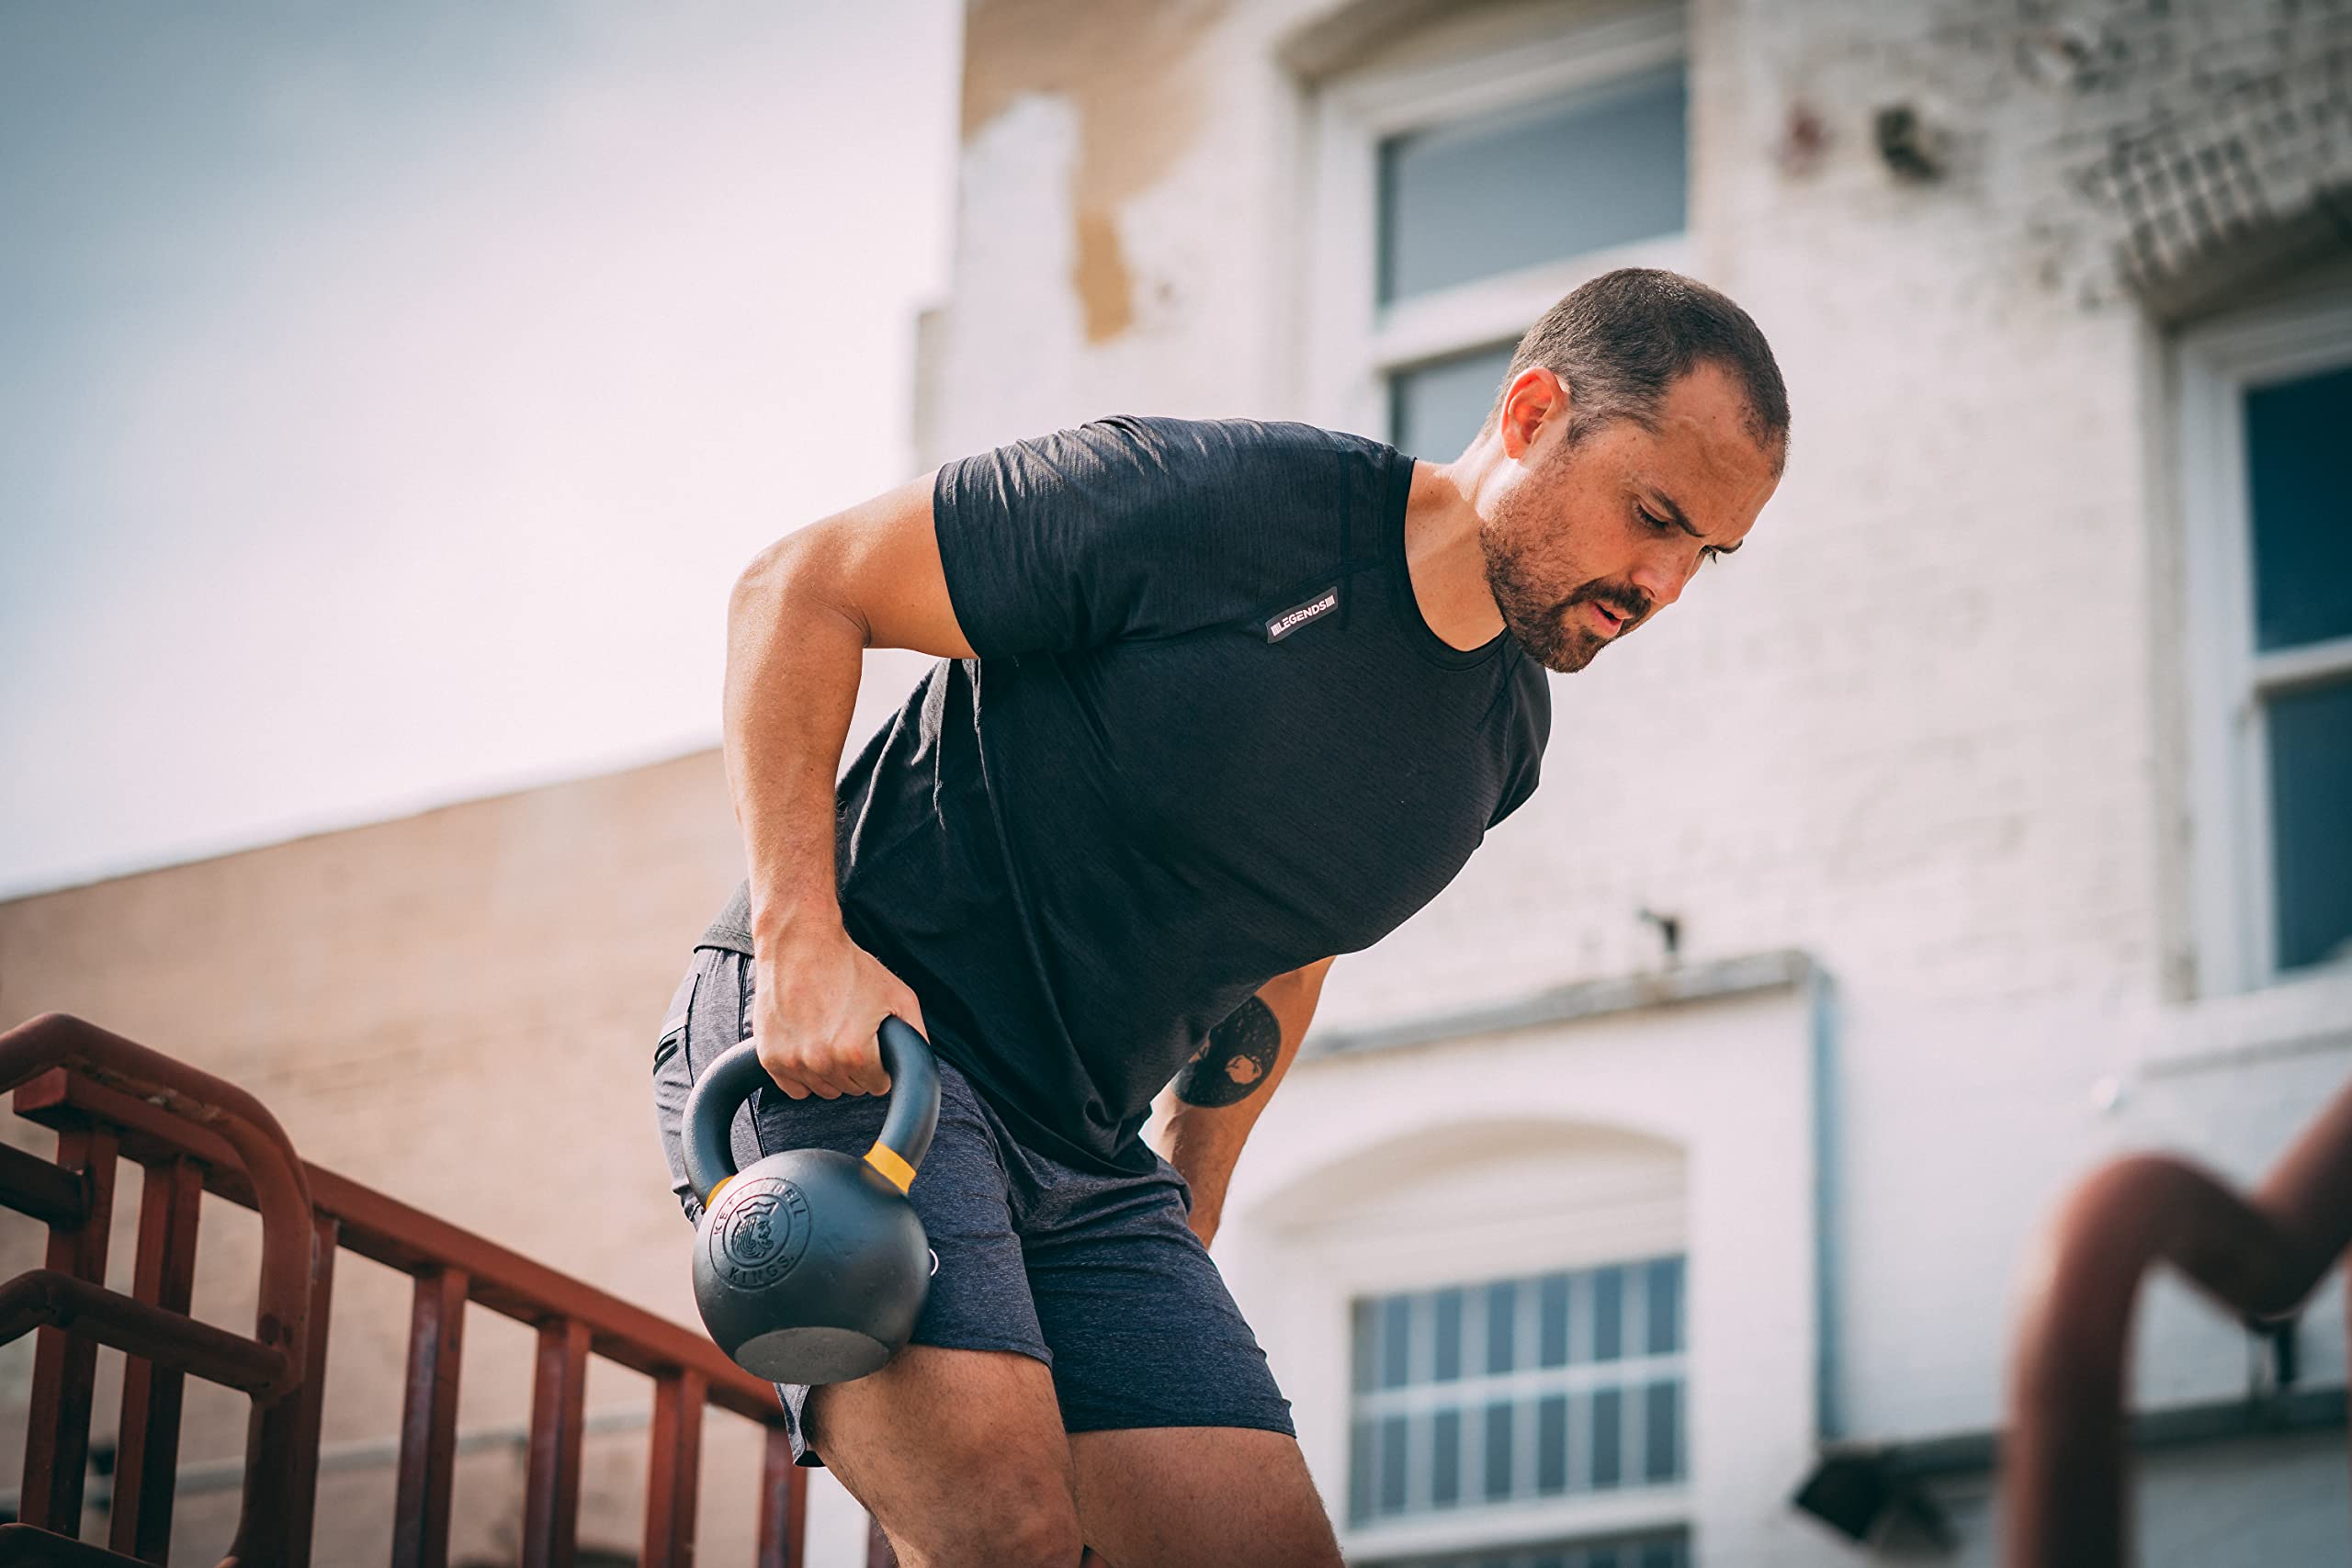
[
  {"x": 1105, "y": 292},
  {"x": 1129, "y": 66}
]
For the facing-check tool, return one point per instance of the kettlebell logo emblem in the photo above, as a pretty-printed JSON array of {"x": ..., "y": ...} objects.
[{"x": 759, "y": 1232}]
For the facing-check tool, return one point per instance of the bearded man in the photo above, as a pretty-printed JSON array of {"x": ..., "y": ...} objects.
[{"x": 1217, "y": 702}]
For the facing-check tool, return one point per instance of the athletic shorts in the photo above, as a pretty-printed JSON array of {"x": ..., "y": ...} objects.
[{"x": 1098, "y": 1277}]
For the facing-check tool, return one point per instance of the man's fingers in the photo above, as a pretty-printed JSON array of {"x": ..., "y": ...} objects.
[{"x": 863, "y": 1067}]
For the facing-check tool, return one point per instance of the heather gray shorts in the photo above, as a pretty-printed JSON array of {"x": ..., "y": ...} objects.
[{"x": 1097, "y": 1276}]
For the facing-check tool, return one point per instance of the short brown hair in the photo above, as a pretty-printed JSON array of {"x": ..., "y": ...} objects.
[{"x": 1620, "y": 341}]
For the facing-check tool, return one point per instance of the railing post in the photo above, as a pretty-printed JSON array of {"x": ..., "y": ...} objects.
[
  {"x": 674, "y": 1465},
  {"x": 147, "y": 1444},
  {"x": 552, "y": 1489},
  {"x": 784, "y": 1498},
  {"x": 429, "y": 1420},
  {"x": 282, "y": 1442},
  {"x": 64, "y": 1366}
]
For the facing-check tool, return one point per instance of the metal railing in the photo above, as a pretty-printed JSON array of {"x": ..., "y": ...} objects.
[
  {"x": 2064, "y": 1486},
  {"x": 110, "y": 1100}
]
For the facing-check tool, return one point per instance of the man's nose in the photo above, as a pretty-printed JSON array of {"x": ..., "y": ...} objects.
[{"x": 1663, "y": 577}]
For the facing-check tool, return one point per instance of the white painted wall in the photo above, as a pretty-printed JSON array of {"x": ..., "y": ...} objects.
[{"x": 1927, "y": 728}]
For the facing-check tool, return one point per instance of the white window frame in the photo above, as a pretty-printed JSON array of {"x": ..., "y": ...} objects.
[
  {"x": 1516, "y": 1242},
  {"x": 1354, "y": 345},
  {"x": 2232, "y": 896},
  {"x": 1628, "y": 1375}
]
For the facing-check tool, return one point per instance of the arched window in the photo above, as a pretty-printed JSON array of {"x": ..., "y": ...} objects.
[{"x": 1516, "y": 1374}]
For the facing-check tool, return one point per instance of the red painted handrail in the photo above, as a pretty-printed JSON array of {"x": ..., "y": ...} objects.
[
  {"x": 108, "y": 1097},
  {"x": 2064, "y": 1492},
  {"x": 281, "y": 1190}
]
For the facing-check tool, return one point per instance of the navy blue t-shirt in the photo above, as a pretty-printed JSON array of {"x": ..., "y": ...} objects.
[{"x": 1208, "y": 739}]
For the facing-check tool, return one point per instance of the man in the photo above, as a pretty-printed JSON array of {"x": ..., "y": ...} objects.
[{"x": 1219, "y": 701}]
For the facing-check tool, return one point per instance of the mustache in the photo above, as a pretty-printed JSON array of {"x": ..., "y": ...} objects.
[{"x": 1624, "y": 600}]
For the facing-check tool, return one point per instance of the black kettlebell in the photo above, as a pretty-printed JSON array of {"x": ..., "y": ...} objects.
[{"x": 811, "y": 1267}]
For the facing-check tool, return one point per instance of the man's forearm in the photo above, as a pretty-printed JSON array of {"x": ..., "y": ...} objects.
[
  {"x": 793, "y": 663},
  {"x": 1224, "y": 1088}
]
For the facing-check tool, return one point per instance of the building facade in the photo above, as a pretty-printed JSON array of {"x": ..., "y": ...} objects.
[{"x": 1990, "y": 815}]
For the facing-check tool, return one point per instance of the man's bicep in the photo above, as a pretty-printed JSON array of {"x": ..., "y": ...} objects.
[{"x": 876, "y": 565}]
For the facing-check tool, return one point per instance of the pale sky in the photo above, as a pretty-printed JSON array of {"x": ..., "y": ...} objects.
[{"x": 389, "y": 395}]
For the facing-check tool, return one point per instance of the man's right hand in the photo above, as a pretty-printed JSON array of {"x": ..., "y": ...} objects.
[{"x": 817, "y": 1009}]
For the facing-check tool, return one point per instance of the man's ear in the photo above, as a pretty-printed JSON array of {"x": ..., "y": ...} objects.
[{"x": 1535, "y": 395}]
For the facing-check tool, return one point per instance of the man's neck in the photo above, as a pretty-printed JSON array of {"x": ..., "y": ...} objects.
[{"x": 1442, "y": 551}]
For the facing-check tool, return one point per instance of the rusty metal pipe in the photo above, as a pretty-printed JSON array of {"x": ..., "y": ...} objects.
[
  {"x": 36, "y": 1187},
  {"x": 2064, "y": 1482},
  {"x": 46, "y": 1297},
  {"x": 281, "y": 1190}
]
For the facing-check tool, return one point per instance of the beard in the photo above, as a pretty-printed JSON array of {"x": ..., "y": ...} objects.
[{"x": 1545, "y": 623}]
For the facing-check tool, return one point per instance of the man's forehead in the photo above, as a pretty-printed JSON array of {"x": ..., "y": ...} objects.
[
  {"x": 1705, "y": 456},
  {"x": 1706, "y": 492}
]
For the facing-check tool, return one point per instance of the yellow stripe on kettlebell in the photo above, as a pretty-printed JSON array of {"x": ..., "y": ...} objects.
[
  {"x": 712, "y": 1201},
  {"x": 895, "y": 1171}
]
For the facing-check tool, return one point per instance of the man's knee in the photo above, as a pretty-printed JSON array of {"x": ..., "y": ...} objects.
[
  {"x": 1042, "y": 1535},
  {"x": 1003, "y": 1516},
  {"x": 959, "y": 1454}
]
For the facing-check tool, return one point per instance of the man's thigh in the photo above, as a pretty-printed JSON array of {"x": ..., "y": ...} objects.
[
  {"x": 1212, "y": 1496},
  {"x": 958, "y": 1454}
]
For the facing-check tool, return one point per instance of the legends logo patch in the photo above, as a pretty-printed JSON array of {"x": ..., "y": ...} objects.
[{"x": 1297, "y": 615}]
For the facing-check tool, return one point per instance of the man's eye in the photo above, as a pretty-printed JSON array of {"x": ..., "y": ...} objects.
[{"x": 1654, "y": 522}]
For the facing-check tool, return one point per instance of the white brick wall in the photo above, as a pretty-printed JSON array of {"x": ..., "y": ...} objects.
[{"x": 1928, "y": 727}]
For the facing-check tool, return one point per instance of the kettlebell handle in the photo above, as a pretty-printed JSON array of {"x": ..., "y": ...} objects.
[{"x": 727, "y": 1083}]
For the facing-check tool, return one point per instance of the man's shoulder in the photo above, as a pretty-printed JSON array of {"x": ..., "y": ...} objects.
[{"x": 1238, "y": 440}]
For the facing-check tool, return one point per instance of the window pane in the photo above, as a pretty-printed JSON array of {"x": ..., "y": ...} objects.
[
  {"x": 1434, "y": 410},
  {"x": 1662, "y": 1431},
  {"x": 2298, "y": 475},
  {"x": 1360, "y": 1472},
  {"x": 1392, "y": 1465},
  {"x": 1607, "y": 1421},
  {"x": 1366, "y": 1325},
  {"x": 1395, "y": 1340},
  {"x": 1445, "y": 1459},
  {"x": 1608, "y": 1313},
  {"x": 1498, "y": 1456},
  {"x": 2310, "y": 821},
  {"x": 1463, "y": 201},
  {"x": 1660, "y": 1549},
  {"x": 1449, "y": 1337},
  {"x": 1502, "y": 1317},
  {"x": 1552, "y": 1445},
  {"x": 1666, "y": 1307},
  {"x": 1555, "y": 1317}
]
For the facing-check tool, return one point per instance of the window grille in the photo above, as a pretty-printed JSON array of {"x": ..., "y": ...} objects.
[
  {"x": 1544, "y": 1386},
  {"x": 1669, "y": 1550}
]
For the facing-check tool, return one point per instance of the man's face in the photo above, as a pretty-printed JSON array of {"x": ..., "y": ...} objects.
[{"x": 1595, "y": 538}]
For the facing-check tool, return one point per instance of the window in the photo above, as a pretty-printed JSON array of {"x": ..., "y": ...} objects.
[
  {"x": 1668, "y": 1549},
  {"x": 1463, "y": 194},
  {"x": 1554, "y": 1386},
  {"x": 2267, "y": 397}
]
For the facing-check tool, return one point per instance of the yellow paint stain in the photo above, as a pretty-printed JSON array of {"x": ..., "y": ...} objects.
[{"x": 1130, "y": 67}]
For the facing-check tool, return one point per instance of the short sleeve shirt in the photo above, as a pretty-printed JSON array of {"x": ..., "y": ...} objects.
[{"x": 1208, "y": 738}]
